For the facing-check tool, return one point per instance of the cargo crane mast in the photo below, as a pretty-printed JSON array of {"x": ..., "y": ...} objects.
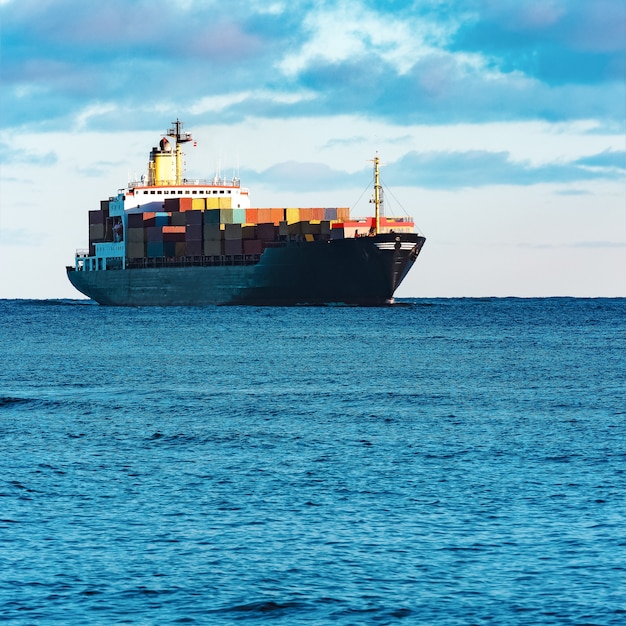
[
  {"x": 377, "y": 200},
  {"x": 177, "y": 133}
]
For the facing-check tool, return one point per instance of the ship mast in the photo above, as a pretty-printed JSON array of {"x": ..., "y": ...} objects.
[
  {"x": 177, "y": 133},
  {"x": 377, "y": 194}
]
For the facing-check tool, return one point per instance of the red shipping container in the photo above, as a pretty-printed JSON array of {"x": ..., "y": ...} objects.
[
  {"x": 266, "y": 232},
  {"x": 174, "y": 237},
  {"x": 252, "y": 246}
]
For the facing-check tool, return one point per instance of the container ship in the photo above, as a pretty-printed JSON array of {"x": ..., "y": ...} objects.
[{"x": 166, "y": 240}]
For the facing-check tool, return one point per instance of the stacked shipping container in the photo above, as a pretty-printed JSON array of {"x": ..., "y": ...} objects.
[
  {"x": 195, "y": 231},
  {"x": 193, "y": 227},
  {"x": 100, "y": 226}
]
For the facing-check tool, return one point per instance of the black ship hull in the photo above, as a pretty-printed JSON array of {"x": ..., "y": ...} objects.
[{"x": 363, "y": 271}]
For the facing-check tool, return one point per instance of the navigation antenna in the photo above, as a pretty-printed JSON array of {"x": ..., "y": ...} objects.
[{"x": 177, "y": 133}]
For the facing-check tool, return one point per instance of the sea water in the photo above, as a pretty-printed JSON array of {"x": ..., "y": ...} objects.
[{"x": 440, "y": 462}]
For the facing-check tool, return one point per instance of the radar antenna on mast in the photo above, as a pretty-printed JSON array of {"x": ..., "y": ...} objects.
[{"x": 177, "y": 133}]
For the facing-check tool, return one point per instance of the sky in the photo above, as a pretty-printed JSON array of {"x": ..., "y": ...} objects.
[{"x": 500, "y": 125}]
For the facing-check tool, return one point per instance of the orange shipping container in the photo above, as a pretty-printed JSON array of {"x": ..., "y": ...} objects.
[
  {"x": 252, "y": 216},
  {"x": 263, "y": 216},
  {"x": 343, "y": 214},
  {"x": 173, "y": 229},
  {"x": 185, "y": 204},
  {"x": 278, "y": 215}
]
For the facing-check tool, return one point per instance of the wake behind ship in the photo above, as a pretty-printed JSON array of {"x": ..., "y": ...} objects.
[{"x": 166, "y": 240}]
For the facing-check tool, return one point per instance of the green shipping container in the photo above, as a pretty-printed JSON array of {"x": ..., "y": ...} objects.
[
  {"x": 178, "y": 219},
  {"x": 212, "y": 216},
  {"x": 239, "y": 216},
  {"x": 232, "y": 231},
  {"x": 212, "y": 232},
  {"x": 96, "y": 231},
  {"x": 135, "y": 235},
  {"x": 135, "y": 250},
  {"x": 213, "y": 247},
  {"x": 226, "y": 216}
]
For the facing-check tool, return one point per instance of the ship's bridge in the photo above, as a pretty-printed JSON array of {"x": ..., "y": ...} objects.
[{"x": 216, "y": 194}]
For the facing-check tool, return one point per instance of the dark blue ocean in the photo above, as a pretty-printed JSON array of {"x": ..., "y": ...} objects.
[{"x": 447, "y": 462}]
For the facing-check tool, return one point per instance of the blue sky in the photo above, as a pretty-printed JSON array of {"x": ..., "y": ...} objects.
[{"x": 488, "y": 115}]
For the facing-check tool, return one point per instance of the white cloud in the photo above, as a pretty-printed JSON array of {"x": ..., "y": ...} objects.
[
  {"x": 218, "y": 103},
  {"x": 83, "y": 118},
  {"x": 341, "y": 32},
  {"x": 270, "y": 8}
]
